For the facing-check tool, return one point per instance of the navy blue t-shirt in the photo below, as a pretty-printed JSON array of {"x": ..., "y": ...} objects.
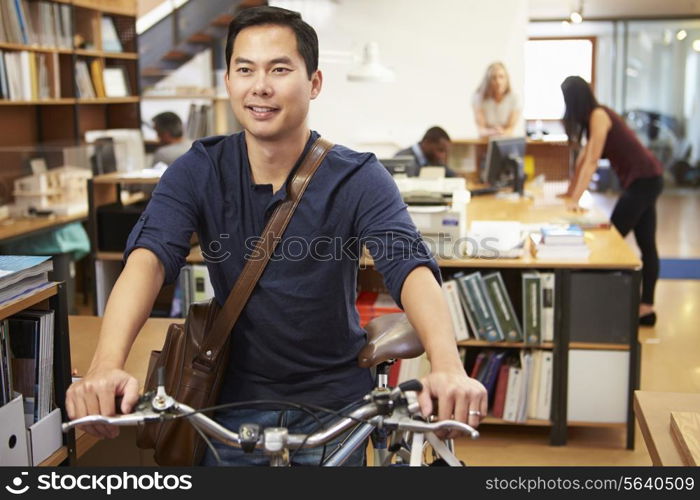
[{"x": 299, "y": 335}]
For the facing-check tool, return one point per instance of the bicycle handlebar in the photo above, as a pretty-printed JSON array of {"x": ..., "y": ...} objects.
[{"x": 373, "y": 412}]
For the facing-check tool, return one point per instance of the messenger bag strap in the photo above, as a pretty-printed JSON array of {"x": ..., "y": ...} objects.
[{"x": 253, "y": 268}]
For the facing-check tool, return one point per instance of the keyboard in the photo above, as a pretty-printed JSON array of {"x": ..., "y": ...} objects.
[{"x": 483, "y": 191}]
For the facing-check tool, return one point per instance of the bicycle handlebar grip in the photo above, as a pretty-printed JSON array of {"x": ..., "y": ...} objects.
[{"x": 411, "y": 385}]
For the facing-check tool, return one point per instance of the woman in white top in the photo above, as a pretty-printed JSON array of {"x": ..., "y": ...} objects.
[{"x": 496, "y": 107}]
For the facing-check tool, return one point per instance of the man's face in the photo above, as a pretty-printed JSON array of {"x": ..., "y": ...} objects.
[
  {"x": 268, "y": 84},
  {"x": 436, "y": 152}
]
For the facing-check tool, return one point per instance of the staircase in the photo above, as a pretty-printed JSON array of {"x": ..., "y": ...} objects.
[{"x": 195, "y": 26}]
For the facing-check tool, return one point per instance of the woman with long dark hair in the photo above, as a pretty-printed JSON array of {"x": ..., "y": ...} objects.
[{"x": 640, "y": 174}]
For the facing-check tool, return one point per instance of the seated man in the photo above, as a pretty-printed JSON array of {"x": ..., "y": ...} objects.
[
  {"x": 168, "y": 126},
  {"x": 432, "y": 150}
]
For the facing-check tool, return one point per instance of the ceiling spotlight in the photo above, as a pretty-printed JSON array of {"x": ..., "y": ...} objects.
[
  {"x": 681, "y": 35},
  {"x": 576, "y": 17},
  {"x": 696, "y": 45}
]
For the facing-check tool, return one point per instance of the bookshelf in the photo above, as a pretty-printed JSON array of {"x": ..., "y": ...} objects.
[
  {"x": 595, "y": 348},
  {"x": 53, "y": 298},
  {"x": 59, "y": 37}
]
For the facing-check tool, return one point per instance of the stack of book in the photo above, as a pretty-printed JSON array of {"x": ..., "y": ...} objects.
[
  {"x": 565, "y": 242},
  {"x": 27, "y": 362},
  {"x": 486, "y": 304},
  {"x": 519, "y": 385},
  {"x": 22, "y": 275},
  {"x": 44, "y": 24}
]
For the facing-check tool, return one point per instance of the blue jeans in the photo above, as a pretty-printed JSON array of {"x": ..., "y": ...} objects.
[{"x": 296, "y": 421}]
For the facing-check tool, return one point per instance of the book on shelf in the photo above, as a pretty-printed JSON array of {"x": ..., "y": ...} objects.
[
  {"x": 478, "y": 307},
  {"x": 110, "y": 37},
  {"x": 86, "y": 90},
  {"x": 499, "y": 399},
  {"x": 116, "y": 83},
  {"x": 45, "y": 24},
  {"x": 479, "y": 365},
  {"x": 31, "y": 361},
  {"x": 544, "y": 395},
  {"x": 547, "y": 280},
  {"x": 515, "y": 386},
  {"x": 194, "y": 285},
  {"x": 490, "y": 375},
  {"x": 532, "y": 307},
  {"x": 534, "y": 385},
  {"x": 199, "y": 121},
  {"x": 96, "y": 72},
  {"x": 503, "y": 307},
  {"x": 459, "y": 323},
  {"x": 5, "y": 371},
  {"x": 4, "y": 84},
  {"x": 414, "y": 368},
  {"x": 23, "y": 275},
  {"x": 526, "y": 387}
]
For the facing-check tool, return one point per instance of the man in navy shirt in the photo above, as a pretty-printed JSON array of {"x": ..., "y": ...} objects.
[{"x": 298, "y": 338}]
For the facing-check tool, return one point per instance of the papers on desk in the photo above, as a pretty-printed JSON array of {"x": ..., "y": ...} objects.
[
  {"x": 496, "y": 239},
  {"x": 146, "y": 173}
]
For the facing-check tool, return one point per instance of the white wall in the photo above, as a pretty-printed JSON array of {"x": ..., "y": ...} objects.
[{"x": 439, "y": 51}]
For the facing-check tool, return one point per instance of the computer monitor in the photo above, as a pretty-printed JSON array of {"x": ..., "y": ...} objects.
[
  {"x": 504, "y": 163},
  {"x": 401, "y": 166}
]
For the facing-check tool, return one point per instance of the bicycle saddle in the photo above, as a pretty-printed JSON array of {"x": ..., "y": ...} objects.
[{"x": 390, "y": 336}]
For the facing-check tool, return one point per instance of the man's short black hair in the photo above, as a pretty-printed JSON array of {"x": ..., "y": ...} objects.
[
  {"x": 168, "y": 122},
  {"x": 307, "y": 40},
  {"x": 435, "y": 134}
]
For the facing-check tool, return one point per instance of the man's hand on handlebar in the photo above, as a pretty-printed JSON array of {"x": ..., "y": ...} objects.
[
  {"x": 95, "y": 395},
  {"x": 458, "y": 396}
]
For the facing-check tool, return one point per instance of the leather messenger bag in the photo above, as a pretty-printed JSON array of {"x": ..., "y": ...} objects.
[{"x": 195, "y": 354}]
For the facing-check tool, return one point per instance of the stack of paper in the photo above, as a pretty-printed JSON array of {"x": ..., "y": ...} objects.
[{"x": 20, "y": 275}]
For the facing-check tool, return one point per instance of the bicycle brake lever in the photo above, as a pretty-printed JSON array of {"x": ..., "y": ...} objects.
[
  {"x": 412, "y": 425},
  {"x": 119, "y": 420}
]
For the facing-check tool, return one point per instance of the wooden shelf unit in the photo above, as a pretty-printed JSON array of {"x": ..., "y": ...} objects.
[
  {"x": 610, "y": 257},
  {"x": 66, "y": 126},
  {"x": 53, "y": 298},
  {"x": 62, "y": 120}
]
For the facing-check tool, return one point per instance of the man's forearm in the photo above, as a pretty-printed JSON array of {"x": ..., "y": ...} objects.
[
  {"x": 427, "y": 311},
  {"x": 128, "y": 307}
]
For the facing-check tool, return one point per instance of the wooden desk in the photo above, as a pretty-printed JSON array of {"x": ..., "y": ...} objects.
[
  {"x": 653, "y": 412},
  {"x": 608, "y": 249},
  {"x": 13, "y": 229},
  {"x": 84, "y": 332},
  {"x": 611, "y": 260}
]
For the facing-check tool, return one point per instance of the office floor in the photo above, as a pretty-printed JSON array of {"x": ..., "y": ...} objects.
[{"x": 669, "y": 361}]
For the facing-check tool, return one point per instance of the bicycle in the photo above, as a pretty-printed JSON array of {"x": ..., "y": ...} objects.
[{"x": 391, "y": 417}]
